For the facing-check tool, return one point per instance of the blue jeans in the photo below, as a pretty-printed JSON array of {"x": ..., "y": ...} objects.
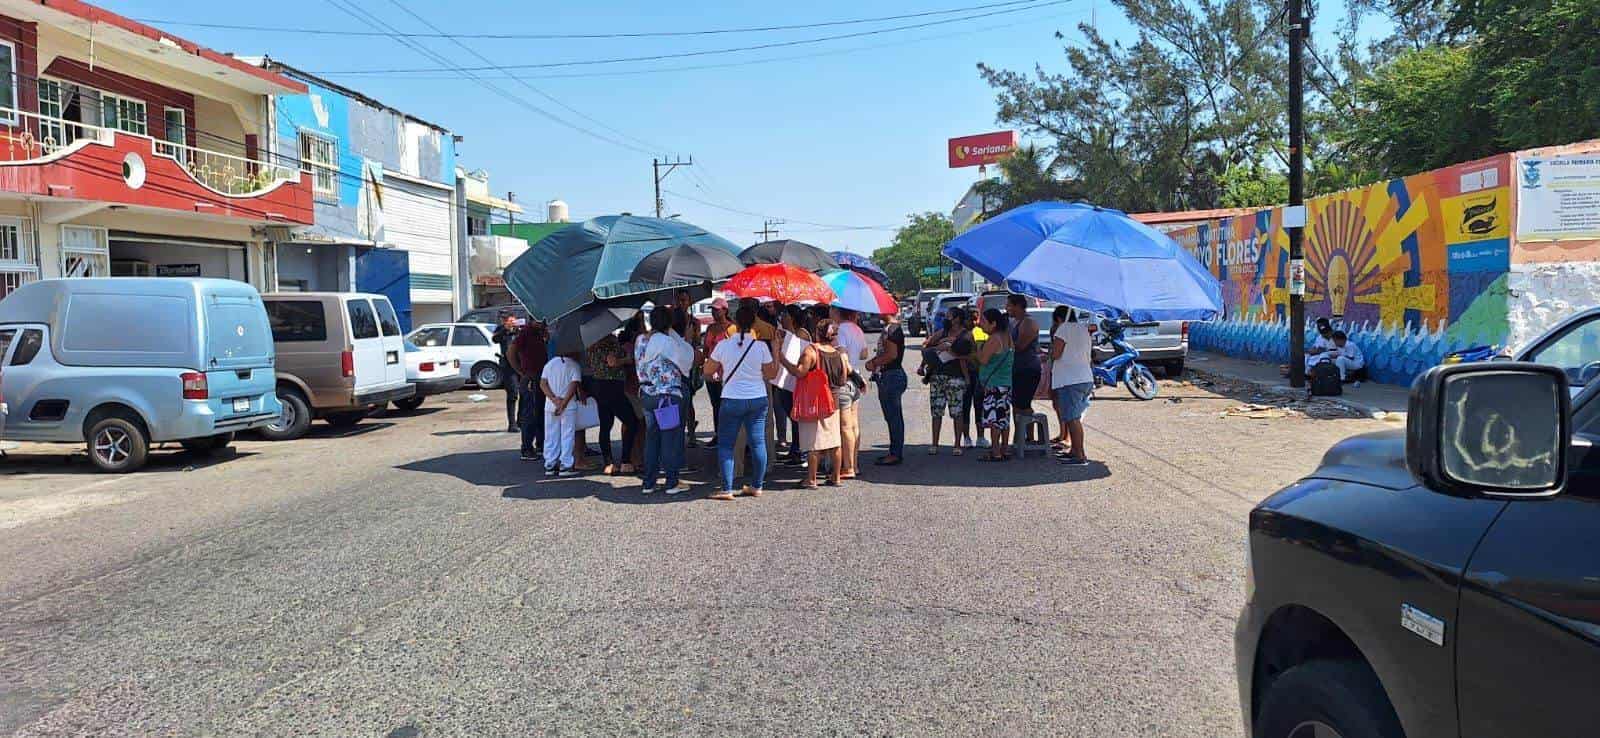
[
  {"x": 751, "y": 415},
  {"x": 663, "y": 449},
  {"x": 891, "y": 385}
]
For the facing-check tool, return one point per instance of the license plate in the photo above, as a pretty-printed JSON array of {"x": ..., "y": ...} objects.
[
  {"x": 1141, "y": 331},
  {"x": 241, "y": 404}
]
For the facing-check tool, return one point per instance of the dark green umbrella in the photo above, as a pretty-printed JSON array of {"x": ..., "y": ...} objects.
[
  {"x": 581, "y": 328},
  {"x": 594, "y": 260}
]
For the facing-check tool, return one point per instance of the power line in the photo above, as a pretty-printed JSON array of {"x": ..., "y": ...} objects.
[
  {"x": 524, "y": 82},
  {"x": 730, "y": 65},
  {"x": 706, "y": 52},
  {"x": 765, "y": 216},
  {"x": 368, "y": 18},
  {"x": 554, "y": 36}
]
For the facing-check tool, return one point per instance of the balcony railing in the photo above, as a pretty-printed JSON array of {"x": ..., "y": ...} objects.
[
  {"x": 31, "y": 137},
  {"x": 226, "y": 173}
]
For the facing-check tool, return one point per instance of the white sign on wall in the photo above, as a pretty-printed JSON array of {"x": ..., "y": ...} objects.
[{"x": 1558, "y": 197}]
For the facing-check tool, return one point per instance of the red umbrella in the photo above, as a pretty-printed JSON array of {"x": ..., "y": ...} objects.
[{"x": 783, "y": 283}]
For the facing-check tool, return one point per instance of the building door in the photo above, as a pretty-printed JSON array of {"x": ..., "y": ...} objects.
[{"x": 387, "y": 272}]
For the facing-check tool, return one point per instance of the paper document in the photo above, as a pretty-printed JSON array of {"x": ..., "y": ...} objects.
[{"x": 792, "y": 349}]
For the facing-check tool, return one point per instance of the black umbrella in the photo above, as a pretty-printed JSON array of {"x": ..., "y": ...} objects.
[
  {"x": 687, "y": 263},
  {"x": 794, "y": 253},
  {"x": 582, "y": 328}
]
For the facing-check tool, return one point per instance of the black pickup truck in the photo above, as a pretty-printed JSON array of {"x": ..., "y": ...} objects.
[{"x": 1443, "y": 581}]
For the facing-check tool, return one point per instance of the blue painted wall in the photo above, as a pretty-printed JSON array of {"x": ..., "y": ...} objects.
[{"x": 368, "y": 140}]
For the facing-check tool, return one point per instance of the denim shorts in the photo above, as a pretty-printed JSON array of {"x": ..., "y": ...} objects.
[{"x": 1073, "y": 400}]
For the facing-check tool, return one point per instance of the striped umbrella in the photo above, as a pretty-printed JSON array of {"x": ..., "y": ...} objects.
[{"x": 858, "y": 292}]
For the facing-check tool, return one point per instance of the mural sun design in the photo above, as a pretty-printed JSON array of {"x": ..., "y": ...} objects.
[{"x": 1341, "y": 257}]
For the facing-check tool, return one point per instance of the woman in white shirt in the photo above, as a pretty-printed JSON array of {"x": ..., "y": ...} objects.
[
  {"x": 663, "y": 363},
  {"x": 743, "y": 363},
  {"x": 1072, "y": 380}
]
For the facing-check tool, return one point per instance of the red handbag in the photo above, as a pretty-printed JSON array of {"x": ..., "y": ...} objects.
[{"x": 813, "y": 398}]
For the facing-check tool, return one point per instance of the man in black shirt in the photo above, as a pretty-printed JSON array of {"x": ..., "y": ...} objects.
[{"x": 503, "y": 336}]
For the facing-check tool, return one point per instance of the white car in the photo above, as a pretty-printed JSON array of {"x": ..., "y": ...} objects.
[
  {"x": 471, "y": 343},
  {"x": 433, "y": 371}
]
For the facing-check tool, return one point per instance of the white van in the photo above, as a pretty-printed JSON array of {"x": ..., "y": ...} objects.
[{"x": 340, "y": 355}]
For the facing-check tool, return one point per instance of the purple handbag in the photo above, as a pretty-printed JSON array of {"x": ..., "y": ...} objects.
[{"x": 668, "y": 416}]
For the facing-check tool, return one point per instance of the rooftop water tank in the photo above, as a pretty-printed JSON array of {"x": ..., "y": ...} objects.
[{"x": 556, "y": 211}]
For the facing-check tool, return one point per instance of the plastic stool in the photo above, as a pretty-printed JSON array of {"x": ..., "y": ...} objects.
[{"x": 1033, "y": 435}]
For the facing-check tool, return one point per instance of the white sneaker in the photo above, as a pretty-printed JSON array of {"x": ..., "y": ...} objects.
[
  {"x": 983, "y": 442},
  {"x": 678, "y": 488},
  {"x": 567, "y": 473},
  {"x": 647, "y": 489}
]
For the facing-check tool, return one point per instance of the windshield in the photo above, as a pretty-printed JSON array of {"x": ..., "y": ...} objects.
[{"x": 1577, "y": 352}]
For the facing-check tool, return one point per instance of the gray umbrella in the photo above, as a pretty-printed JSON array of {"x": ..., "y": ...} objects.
[
  {"x": 787, "y": 251},
  {"x": 687, "y": 263},
  {"x": 582, "y": 328}
]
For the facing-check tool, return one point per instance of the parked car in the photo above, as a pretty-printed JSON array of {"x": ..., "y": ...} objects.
[
  {"x": 121, "y": 363},
  {"x": 1441, "y": 580},
  {"x": 491, "y": 315},
  {"x": 339, "y": 358},
  {"x": 996, "y": 299},
  {"x": 1164, "y": 344},
  {"x": 872, "y": 322},
  {"x": 472, "y": 343},
  {"x": 431, "y": 371},
  {"x": 919, "y": 318},
  {"x": 942, "y": 303}
]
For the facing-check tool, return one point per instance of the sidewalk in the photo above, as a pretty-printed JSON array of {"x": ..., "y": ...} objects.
[{"x": 1369, "y": 398}]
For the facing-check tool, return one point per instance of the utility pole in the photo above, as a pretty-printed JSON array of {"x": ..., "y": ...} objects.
[
  {"x": 511, "y": 215},
  {"x": 656, "y": 167},
  {"x": 767, "y": 231},
  {"x": 1294, "y": 216}
]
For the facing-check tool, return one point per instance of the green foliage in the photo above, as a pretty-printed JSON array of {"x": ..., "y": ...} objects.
[
  {"x": 1026, "y": 175},
  {"x": 1420, "y": 112},
  {"x": 915, "y": 246},
  {"x": 1252, "y": 186},
  {"x": 1536, "y": 68}
]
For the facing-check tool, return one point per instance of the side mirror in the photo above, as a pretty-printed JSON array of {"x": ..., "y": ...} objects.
[{"x": 1497, "y": 428}]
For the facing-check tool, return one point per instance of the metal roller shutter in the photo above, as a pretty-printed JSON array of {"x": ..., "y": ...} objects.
[{"x": 417, "y": 219}]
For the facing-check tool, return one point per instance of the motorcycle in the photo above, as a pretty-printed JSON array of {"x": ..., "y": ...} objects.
[{"x": 1123, "y": 368}]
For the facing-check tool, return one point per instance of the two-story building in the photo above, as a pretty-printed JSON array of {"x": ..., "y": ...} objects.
[
  {"x": 389, "y": 216},
  {"x": 126, "y": 150}
]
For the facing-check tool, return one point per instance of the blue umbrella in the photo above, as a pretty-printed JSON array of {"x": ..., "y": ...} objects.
[
  {"x": 1089, "y": 257},
  {"x": 595, "y": 260},
  {"x": 858, "y": 263}
]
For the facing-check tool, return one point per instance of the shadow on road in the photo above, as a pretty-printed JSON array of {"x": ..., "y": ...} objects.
[
  {"x": 525, "y": 480},
  {"x": 474, "y": 432},
  {"x": 324, "y": 430},
  {"x": 922, "y": 469},
  {"x": 74, "y": 460}
]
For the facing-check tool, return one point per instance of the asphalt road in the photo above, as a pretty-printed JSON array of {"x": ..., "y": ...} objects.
[{"x": 415, "y": 578}]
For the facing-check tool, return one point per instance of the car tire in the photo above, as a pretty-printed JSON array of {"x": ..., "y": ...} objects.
[
  {"x": 117, "y": 445},
  {"x": 409, "y": 404},
  {"x": 209, "y": 445},
  {"x": 346, "y": 419},
  {"x": 1174, "y": 368},
  {"x": 1339, "y": 698},
  {"x": 294, "y": 421},
  {"x": 486, "y": 375}
]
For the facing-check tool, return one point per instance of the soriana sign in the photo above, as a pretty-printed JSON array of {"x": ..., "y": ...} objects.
[{"x": 984, "y": 148}]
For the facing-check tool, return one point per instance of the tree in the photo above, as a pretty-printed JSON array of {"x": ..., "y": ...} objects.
[
  {"x": 1026, "y": 175},
  {"x": 1535, "y": 68},
  {"x": 916, "y": 246},
  {"x": 1251, "y": 186},
  {"x": 1419, "y": 113},
  {"x": 1154, "y": 125}
]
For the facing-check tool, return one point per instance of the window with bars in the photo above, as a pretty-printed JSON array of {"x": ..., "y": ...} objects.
[
  {"x": 319, "y": 158},
  {"x": 85, "y": 252},
  {"x": 8, "y": 81}
]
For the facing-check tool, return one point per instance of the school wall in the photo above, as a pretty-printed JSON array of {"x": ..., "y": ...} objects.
[
  {"x": 1555, "y": 273},
  {"x": 1413, "y": 268}
]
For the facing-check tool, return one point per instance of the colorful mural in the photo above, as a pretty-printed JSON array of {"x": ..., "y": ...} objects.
[{"x": 1424, "y": 255}]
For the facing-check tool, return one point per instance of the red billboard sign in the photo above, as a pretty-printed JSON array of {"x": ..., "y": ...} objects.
[{"x": 984, "y": 148}]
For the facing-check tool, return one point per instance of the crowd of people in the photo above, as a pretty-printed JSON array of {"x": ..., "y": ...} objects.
[{"x": 784, "y": 383}]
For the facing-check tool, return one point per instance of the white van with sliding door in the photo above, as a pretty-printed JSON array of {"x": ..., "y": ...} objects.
[{"x": 340, "y": 356}]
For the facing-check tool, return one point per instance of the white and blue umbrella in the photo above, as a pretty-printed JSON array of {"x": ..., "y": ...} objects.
[{"x": 1092, "y": 258}]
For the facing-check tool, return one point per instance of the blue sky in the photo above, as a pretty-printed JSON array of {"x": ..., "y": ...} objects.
[{"x": 854, "y": 138}]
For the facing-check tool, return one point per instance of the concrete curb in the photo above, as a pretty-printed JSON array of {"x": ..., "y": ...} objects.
[{"x": 1289, "y": 393}]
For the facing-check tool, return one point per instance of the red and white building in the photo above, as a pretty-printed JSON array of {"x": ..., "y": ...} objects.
[{"x": 128, "y": 151}]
